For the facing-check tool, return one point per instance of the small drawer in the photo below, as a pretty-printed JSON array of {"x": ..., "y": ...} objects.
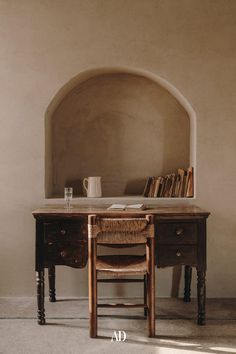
[
  {"x": 65, "y": 230},
  {"x": 74, "y": 255},
  {"x": 171, "y": 255},
  {"x": 176, "y": 233}
]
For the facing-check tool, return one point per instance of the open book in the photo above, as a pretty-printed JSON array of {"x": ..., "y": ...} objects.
[{"x": 126, "y": 207}]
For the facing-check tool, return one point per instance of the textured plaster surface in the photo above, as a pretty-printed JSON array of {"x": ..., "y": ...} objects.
[
  {"x": 121, "y": 127},
  {"x": 190, "y": 43}
]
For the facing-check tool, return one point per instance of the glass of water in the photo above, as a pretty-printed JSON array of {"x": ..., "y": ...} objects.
[{"x": 68, "y": 195}]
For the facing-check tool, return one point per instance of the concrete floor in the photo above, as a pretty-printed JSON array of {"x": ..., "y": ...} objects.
[{"x": 67, "y": 328}]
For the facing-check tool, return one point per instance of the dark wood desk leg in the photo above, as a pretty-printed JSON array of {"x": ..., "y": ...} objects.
[
  {"x": 151, "y": 287},
  {"x": 187, "y": 286},
  {"x": 145, "y": 294},
  {"x": 40, "y": 297},
  {"x": 201, "y": 294},
  {"x": 51, "y": 281},
  {"x": 92, "y": 277},
  {"x": 39, "y": 267}
]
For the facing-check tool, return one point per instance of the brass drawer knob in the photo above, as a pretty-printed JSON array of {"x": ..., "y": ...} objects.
[
  {"x": 63, "y": 232},
  {"x": 178, "y": 254},
  {"x": 50, "y": 243},
  {"x": 179, "y": 231},
  {"x": 63, "y": 254}
]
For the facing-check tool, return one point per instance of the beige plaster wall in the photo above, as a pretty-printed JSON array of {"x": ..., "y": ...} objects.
[
  {"x": 190, "y": 43},
  {"x": 119, "y": 126}
]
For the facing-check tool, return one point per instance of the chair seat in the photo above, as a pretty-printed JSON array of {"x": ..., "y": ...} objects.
[{"x": 121, "y": 265}]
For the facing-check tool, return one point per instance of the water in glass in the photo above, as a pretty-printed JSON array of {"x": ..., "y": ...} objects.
[{"x": 68, "y": 195}]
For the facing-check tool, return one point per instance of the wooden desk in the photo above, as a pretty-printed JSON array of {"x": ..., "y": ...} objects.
[{"x": 180, "y": 239}]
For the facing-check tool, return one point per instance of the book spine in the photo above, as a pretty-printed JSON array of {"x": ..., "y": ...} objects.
[
  {"x": 147, "y": 187},
  {"x": 174, "y": 185}
]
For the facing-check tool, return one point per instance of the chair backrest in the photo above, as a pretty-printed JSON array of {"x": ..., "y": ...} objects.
[{"x": 121, "y": 230}]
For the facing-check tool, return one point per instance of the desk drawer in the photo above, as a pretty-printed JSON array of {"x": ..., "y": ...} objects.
[
  {"x": 63, "y": 253},
  {"x": 67, "y": 230},
  {"x": 66, "y": 243},
  {"x": 171, "y": 255},
  {"x": 176, "y": 233}
]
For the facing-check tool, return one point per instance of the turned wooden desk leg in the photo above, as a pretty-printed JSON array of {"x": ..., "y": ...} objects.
[
  {"x": 40, "y": 297},
  {"x": 92, "y": 277},
  {"x": 151, "y": 287},
  {"x": 201, "y": 294},
  {"x": 187, "y": 286},
  {"x": 51, "y": 281}
]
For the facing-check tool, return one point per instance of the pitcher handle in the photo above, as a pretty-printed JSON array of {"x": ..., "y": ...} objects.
[{"x": 84, "y": 184}]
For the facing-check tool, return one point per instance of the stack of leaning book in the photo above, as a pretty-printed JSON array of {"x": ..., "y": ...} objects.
[{"x": 174, "y": 185}]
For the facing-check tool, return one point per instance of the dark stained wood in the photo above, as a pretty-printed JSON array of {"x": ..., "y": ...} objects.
[
  {"x": 201, "y": 271},
  {"x": 202, "y": 247},
  {"x": 64, "y": 230},
  {"x": 187, "y": 286},
  {"x": 40, "y": 297},
  {"x": 92, "y": 279},
  {"x": 177, "y": 233},
  {"x": 51, "y": 281},
  {"x": 171, "y": 255},
  {"x": 39, "y": 267},
  {"x": 39, "y": 246},
  {"x": 151, "y": 286},
  {"x": 180, "y": 239},
  {"x": 65, "y": 243},
  {"x": 72, "y": 254},
  {"x": 201, "y": 290}
]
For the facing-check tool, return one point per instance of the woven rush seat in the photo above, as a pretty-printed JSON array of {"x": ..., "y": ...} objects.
[{"x": 121, "y": 265}]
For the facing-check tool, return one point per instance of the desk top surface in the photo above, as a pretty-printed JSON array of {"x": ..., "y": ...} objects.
[{"x": 162, "y": 210}]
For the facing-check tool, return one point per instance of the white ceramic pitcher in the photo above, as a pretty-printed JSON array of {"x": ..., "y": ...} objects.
[{"x": 93, "y": 187}]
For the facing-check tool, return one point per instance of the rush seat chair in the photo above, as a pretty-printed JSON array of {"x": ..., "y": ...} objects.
[{"x": 121, "y": 232}]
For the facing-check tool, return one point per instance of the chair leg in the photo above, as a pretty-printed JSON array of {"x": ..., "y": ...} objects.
[
  {"x": 151, "y": 308},
  {"x": 92, "y": 289},
  {"x": 145, "y": 294}
]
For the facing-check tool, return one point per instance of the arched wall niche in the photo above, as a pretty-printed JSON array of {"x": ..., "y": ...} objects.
[{"x": 119, "y": 123}]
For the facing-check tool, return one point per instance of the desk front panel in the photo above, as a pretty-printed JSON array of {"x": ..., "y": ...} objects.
[
  {"x": 180, "y": 242},
  {"x": 177, "y": 242},
  {"x": 66, "y": 242}
]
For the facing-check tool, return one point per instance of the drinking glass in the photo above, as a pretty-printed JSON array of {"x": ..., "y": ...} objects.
[{"x": 68, "y": 195}]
